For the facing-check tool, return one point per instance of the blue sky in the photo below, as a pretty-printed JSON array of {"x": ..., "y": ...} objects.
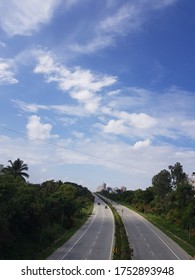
[{"x": 97, "y": 91}]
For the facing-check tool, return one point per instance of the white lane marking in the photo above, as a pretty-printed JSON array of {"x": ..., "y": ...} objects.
[
  {"x": 152, "y": 253},
  {"x": 162, "y": 241},
  {"x": 112, "y": 242},
  {"x": 90, "y": 251},
  {"x": 148, "y": 245},
  {"x": 94, "y": 243},
  {"x": 158, "y": 237},
  {"x": 81, "y": 235}
]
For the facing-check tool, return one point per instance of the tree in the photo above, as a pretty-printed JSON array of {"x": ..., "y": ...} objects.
[
  {"x": 184, "y": 195},
  {"x": 162, "y": 184},
  {"x": 177, "y": 174},
  {"x": 17, "y": 169}
]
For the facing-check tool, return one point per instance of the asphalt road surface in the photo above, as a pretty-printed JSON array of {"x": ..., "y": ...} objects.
[
  {"x": 147, "y": 241},
  {"x": 93, "y": 241}
]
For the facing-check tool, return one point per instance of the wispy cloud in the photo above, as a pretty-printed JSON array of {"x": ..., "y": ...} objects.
[
  {"x": 58, "y": 109},
  {"x": 118, "y": 156},
  {"x": 141, "y": 115},
  {"x": 70, "y": 3},
  {"x": 125, "y": 19},
  {"x": 167, "y": 113},
  {"x": 26, "y": 16},
  {"x": 81, "y": 84},
  {"x": 7, "y": 71},
  {"x": 2, "y": 44}
]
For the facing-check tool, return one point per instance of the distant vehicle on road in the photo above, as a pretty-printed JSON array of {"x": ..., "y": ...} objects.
[
  {"x": 98, "y": 203},
  {"x": 106, "y": 206}
]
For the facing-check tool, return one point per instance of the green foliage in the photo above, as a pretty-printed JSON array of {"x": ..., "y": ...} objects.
[
  {"x": 34, "y": 216},
  {"x": 178, "y": 176},
  {"x": 17, "y": 169},
  {"x": 170, "y": 198},
  {"x": 162, "y": 184},
  {"x": 122, "y": 249}
]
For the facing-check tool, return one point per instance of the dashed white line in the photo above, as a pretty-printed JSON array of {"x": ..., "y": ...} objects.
[
  {"x": 81, "y": 236},
  {"x": 157, "y": 235}
]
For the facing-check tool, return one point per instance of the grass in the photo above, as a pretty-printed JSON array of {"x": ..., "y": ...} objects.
[
  {"x": 122, "y": 247},
  {"x": 179, "y": 235},
  {"x": 122, "y": 250}
]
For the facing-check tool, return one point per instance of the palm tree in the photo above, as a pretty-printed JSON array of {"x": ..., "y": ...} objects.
[{"x": 17, "y": 169}]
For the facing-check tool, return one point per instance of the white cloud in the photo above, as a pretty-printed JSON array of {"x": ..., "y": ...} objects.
[
  {"x": 37, "y": 130},
  {"x": 168, "y": 113},
  {"x": 81, "y": 84},
  {"x": 130, "y": 125},
  {"x": 88, "y": 98},
  {"x": 142, "y": 144},
  {"x": 155, "y": 114},
  {"x": 7, "y": 71},
  {"x": 25, "y": 16},
  {"x": 137, "y": 120},
  {"x": 71, "y": 79},
  {"x": 140, "y": 121},
  {"x": 115, "y": 127}
]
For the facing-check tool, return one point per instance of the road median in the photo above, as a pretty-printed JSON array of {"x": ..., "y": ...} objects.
[{"x": 121, "y": 249}]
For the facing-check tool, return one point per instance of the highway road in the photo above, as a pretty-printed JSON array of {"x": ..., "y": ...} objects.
[
  {"x": 147, "y": 241},
  {"x": 93, "y": 241}
]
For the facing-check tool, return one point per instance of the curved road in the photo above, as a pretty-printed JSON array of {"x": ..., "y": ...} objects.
[
  {"x": 93, "y": 241},
  {"x": 148, "y": 242}
]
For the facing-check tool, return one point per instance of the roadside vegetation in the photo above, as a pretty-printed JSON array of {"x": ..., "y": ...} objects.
[
  {"x": 122, "y": 249},
  {"x": 169, "y": 203},
  {"x": 36, "y": 218}
]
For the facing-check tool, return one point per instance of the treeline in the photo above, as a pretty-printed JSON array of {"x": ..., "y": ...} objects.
[
  {"x": 171, "y": 197},
  {"x": 32, "y": 216}
]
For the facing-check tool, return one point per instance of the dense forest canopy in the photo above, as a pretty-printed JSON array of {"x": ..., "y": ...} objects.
[{"x": 35, "y": 215}]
